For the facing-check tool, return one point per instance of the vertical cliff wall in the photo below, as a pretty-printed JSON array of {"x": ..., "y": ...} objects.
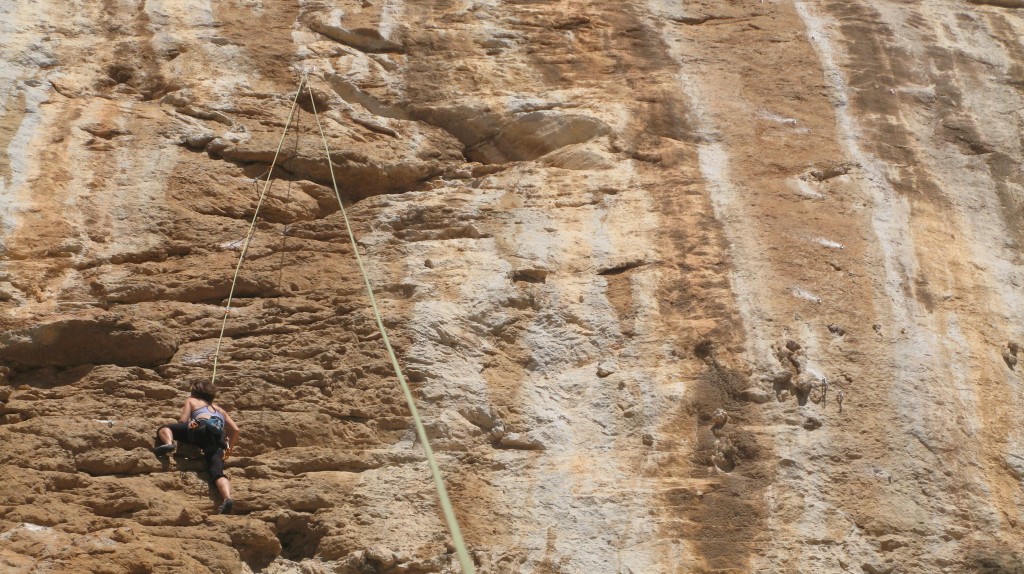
[{"x": 680, "y": 286}]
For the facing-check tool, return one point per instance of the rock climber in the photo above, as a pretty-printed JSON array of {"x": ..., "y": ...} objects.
[
  {"x": 203, "y": 424},
  {"x": 824, "y": 391},
  {"x": 840, "y": 396}
]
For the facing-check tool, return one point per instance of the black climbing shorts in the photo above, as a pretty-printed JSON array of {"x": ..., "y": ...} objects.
[{"x": 211, "y": 443}]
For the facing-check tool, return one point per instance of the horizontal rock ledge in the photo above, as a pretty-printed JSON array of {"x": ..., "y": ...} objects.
[{"x": 92, "y": 338}]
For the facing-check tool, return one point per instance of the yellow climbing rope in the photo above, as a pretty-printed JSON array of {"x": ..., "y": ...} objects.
[
  {"x": 252, "y": 226},
  {"x": 442, "y": 493},
  {"x": 421, "y": 432}
]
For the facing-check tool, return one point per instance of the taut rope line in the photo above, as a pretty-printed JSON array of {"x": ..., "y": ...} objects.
[
  {"x": 252, "y": 229},
  {"x": 287, "y": 200},
  {"x": 442, "y": 492}
]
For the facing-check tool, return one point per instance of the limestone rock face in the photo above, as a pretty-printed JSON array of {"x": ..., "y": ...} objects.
[{"x": 700, "y": 286}]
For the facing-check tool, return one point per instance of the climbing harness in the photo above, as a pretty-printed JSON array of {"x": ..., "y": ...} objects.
[{"x": 442, "y": 493}]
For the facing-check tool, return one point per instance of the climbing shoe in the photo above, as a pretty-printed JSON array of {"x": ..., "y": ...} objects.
[
  {"x": 164, "y": 449},
  {"x": 225, "y": 507}
]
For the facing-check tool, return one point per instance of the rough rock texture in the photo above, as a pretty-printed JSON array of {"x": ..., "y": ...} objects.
[{"x": 699, "y": 286}]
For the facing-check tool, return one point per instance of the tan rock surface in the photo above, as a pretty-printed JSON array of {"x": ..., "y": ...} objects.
[{"x": 618, "y": 246}]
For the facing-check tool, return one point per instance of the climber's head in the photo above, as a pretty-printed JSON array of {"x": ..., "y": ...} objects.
[{"x": 204, "y": 390}]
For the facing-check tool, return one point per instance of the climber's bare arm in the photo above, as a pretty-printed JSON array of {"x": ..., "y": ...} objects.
[
  {"x": 232, "y": 428},
  {"x": 185, "y": 411}
]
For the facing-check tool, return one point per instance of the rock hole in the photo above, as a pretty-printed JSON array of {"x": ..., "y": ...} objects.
[
  {"x": 120, "y": 73},
  {"x": 621, "y": 268},
  {"x": 530, "y": 275},
  {"x": 724, "y": 458},
  {"x": 299, "y": 536},
  {"x": 149, "y": 86},
  {"x": 320, "y": 99},
  {"x": 704, "y": 349},
  {"x": 1010, "y": 354},
  {"x": 802, "y": 390},
  {"x": 829, "y": 170}
]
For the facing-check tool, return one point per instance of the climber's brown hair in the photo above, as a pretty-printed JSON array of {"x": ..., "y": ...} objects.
[{"x": 204, "y": 390}]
